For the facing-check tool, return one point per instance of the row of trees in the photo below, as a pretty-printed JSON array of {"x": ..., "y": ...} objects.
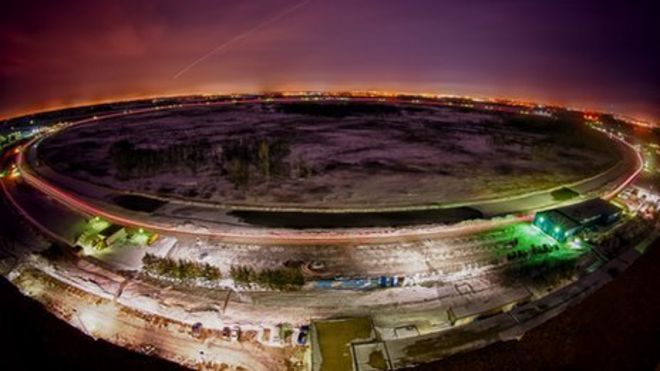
[
  {"x": 337, "y": 110},
  {"x": 532, "y": 252},
  {"x": 632, "y": 232},
  {"x": 549, "y": 271},
  {"x": 132, "y": 162},
  {"x": 244, "y": 160},
  {"x": 247, "y": 158},
  {"x": 286, "y": 278},
  {"x": 179, "y": 269}
]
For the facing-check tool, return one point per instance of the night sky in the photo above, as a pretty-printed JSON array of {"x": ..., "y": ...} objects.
[{"x": 597, "y": 54}]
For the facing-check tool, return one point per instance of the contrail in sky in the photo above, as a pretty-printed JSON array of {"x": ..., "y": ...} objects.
[{"x": 241, "y": 36}]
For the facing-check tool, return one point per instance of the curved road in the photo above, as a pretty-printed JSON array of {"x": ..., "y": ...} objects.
[{"x": 525, "y": 204}]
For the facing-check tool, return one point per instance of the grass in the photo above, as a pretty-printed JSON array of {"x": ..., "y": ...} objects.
[
  {"x": 334, "y": 339},
  {"x": 528, "y": 235}
]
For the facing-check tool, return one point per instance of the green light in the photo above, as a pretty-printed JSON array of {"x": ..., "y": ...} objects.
[
  {"x": 97, "y": 224},
  {"x": 541, "y": 219},
  {"x": 557, "y": 229}
]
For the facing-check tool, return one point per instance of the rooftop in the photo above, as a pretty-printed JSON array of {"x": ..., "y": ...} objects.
[
  {"x": 558, "y": 219},
  {"x": 111, "y": 230},
  {"x": 587, "y": 211}
]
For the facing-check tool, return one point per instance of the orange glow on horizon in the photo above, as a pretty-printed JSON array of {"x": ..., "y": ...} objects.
[{"x": 513, "y": 101}]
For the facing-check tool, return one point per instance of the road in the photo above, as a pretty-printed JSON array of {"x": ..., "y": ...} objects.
[
  {"x": 606, "y": 184},
  {"x": 117, "y": 317},
  {"x": 102, "y": 318}
]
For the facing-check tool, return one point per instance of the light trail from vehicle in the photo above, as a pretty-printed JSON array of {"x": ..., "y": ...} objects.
[
  {"x": 631, "y": 178},
  {"x": 29, "y": 218},
  {"x": 272, "y": 236}
]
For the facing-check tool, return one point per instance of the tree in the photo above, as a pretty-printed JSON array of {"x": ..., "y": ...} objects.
[
  {"x": 287, "y": 278},
  {"x": 264, "y": 160},
  {"x": 179, "y": 269}
]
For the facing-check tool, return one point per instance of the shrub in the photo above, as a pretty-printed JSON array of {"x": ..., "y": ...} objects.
[
  {"x": 286, "y": 278},
  {"x": 179, "y": 269}
]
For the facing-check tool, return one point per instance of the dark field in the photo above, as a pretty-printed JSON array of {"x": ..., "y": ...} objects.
[
  {"x": 314, "y": 155},
  {"x": 33, "y": 339},
  {"x": 356, "y": 219},
  {"x": 138, "y": 203},
  {"x": 617, "y": 328}
]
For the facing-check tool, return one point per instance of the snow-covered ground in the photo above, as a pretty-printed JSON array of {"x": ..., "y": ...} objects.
[{"x": 409, "y": 156}]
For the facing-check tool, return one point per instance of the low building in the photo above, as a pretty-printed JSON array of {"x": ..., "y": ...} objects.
[
  {"x": 113, "y": 234},
  {"x": 565, "y": 222},
  {"x": 557, "y": 225},
  {"x": 100, "y": 234}
]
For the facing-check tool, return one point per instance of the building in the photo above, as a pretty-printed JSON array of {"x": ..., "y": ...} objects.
[
  {"x": 113, "y": 234},
  {"x": 99, "y": 234},
  {"x": 557, "y": 225},
  {"x": 565, "y": 222}
]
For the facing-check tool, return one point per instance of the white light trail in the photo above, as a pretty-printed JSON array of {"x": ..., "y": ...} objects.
[{"x": 241, "y": 36}]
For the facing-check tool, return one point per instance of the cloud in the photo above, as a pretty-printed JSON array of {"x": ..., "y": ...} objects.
[{"x": 72, "y": 50}]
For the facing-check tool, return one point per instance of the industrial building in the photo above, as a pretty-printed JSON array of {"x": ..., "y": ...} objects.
[
  {"x": 99, "y": 234},
  {"x": 565, "y": 222}
]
